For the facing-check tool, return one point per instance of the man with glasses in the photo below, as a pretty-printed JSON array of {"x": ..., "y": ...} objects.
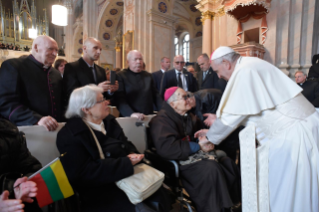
[
  {"x": 212, "y": 183},
  {"x": 178, "y": 77}
]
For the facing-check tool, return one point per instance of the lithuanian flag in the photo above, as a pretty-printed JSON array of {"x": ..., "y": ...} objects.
[{"x": 52, "y": 183}]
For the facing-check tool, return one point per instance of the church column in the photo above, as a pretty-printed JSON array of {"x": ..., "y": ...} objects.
[
  {"x": 90, "y": 11},
  {"x": 154, "y": 26},
  {"x": 68, "y": 33},
  {"x": 118, "y": 50},
  {"x": 207, "y": 32}
]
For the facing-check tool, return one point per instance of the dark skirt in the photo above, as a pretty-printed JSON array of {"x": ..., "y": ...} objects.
[{"x": 212, "y": 185}]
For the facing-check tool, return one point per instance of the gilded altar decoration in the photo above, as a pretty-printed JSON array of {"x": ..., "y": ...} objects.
[
  {"x": 162, "y": 7},
  {"x": 128, "y": 44},
  {"x": 113, "y": 11},
  {"x": 108, "y": 23}
]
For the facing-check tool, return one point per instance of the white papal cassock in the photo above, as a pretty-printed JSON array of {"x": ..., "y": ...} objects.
[{"x": 282, "y": 173}]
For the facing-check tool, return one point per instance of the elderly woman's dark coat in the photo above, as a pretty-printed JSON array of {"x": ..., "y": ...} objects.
[
  {"x": 212, "y": 185},
  {"x": 94, "y": 178}
]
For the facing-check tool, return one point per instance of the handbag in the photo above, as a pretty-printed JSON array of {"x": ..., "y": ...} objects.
[{"x": 143, "y": 183}]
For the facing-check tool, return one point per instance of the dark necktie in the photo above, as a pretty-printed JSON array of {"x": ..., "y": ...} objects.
[
  {"x": 94, "y": 74},
  {"x": 180, "y": 84}
]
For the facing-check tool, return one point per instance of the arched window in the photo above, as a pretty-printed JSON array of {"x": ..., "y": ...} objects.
[
  {"x": 176, "y": 46},
  {"x": 186, "y": 47}
]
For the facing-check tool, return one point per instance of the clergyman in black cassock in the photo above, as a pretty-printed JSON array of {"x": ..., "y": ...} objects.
[{"x": 211, "y": 185}]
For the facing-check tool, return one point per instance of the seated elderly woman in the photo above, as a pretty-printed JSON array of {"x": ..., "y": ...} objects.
[
  {"x": 92, "y": 177},
  {"x": 213, "y": 183}
]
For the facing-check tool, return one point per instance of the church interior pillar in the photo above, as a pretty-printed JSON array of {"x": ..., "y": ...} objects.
[
  {"x": 90, "y": 11},
  {"x": 118, "y": 50},
  {"x": 207, "y": 32}
]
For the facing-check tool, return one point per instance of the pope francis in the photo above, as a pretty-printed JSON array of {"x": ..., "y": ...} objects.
[{"x": 279, "y": 145}]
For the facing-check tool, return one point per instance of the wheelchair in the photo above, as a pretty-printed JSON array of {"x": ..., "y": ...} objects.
[{"x": 171, "y": 170}]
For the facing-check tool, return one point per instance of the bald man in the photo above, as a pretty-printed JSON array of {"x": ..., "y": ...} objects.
[
  {"x": 30, "y": 88},
  {"x": 84, "y": 71}
]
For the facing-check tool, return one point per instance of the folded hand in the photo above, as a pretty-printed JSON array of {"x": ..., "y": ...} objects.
[{"x": 135, "y": 158}]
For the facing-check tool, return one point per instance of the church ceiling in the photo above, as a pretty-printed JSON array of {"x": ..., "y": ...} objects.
[
  {"x": 111, "y": 23},
  {"x": 186, "y": 10}
]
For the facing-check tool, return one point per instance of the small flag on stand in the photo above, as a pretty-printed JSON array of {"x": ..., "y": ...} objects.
[{"x": 52, "y": 183}]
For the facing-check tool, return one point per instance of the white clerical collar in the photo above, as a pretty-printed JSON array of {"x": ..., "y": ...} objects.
[
  {"x": 162, "y": 71},
  {"x": 98, "y": 127}
]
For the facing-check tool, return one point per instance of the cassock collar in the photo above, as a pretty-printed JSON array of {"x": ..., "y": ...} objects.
[
  {"x": 171, "y": 113},
  {"x": 39, "y": 64}
]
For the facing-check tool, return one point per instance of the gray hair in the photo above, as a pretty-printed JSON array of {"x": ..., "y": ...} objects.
[
  {"x": 204, "y": 55},
  {"x": 231, "y": 57},
  {"x": 84, "y": 97},
  {"x": 129, "y": 55},
  {"x": 300, "y": 72}
]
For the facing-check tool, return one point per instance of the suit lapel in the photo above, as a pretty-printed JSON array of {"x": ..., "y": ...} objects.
[
  {"x": 187, "y": 77},
  {"x": 100, "y": 74},
  {"x": 86, "y": 71},
  {"x": 208, "y": 75}
]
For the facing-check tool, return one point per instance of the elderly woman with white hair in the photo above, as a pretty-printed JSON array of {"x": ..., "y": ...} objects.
[{"x": 91, "y": 176}]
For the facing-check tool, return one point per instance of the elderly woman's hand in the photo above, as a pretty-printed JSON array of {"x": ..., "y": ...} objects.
[
  {"x": 135, "y": 158},
  {"x": 25, "y": 189}
]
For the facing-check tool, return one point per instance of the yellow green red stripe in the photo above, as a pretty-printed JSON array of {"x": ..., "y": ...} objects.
[
  {"x": 62, "y": 179},
  {"x": 52, "y": 183}
]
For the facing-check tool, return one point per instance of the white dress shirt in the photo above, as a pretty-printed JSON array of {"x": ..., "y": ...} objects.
[{"x": 184, "y": 81}]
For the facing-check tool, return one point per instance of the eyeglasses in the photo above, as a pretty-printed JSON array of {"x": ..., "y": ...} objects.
[
  {"x": 101, "y": 101},
  {"x": 184, "y": 97},
  {"x": 179, "y": 62}
]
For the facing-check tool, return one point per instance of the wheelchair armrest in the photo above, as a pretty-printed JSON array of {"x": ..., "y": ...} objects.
[
  {"x": 176, "y": 167},
  {"x": 151, "y": 155}
]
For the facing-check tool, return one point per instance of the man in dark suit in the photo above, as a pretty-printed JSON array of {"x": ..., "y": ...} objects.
[
  {"x": 178, "y": 77},
  {"x": 157, "y": 76},
  {"x": 30, "y": 88},
  {"x": 207, "y": 78},
  {"x": 310, "y": 88},
  {"x": 84, "y": 71}
]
